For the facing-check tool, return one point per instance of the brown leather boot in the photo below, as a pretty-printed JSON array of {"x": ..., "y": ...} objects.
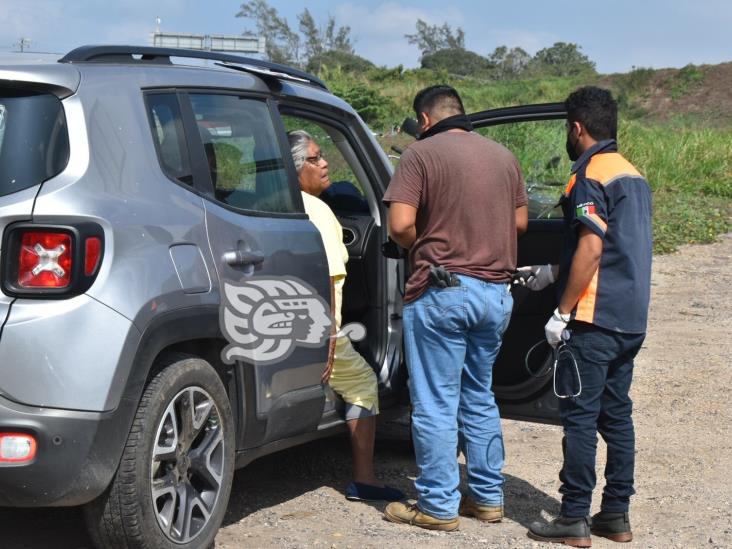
[
  {"x": 404, "y": 513},
  {"x": 485, "y": 513}
]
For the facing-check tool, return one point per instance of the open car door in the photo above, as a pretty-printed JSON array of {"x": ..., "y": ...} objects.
[{"x": 536, "y": 134}]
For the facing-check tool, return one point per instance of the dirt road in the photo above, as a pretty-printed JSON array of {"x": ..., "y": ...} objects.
[{"x": 683, "y": 415}]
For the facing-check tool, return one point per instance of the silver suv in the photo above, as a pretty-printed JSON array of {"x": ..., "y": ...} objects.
[{"x": 133, "y": 190}]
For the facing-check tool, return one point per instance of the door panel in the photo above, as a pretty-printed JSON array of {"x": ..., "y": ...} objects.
[{"x": 536, "y": 135}]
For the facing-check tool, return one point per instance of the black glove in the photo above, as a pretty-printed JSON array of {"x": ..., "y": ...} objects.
[
  {"x": 442, "y": 278},
  {"x": 392, "y": 250}
]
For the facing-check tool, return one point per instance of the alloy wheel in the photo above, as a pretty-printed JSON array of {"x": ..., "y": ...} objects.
[{"x": 187, "y": 464}]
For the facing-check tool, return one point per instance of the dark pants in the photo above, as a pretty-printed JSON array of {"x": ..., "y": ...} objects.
[{"x": 605, "y": 362}]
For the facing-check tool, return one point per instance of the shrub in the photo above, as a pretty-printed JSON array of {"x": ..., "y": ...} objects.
[
  {"x": 348, "y": 62},
  {"x": 457, "y": 61}
]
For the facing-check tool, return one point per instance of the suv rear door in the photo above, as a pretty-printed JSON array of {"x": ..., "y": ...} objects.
[{"x": 536, "y": 135}]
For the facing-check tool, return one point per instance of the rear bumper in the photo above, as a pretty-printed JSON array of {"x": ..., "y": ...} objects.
[{"x": 77, "y": 455}]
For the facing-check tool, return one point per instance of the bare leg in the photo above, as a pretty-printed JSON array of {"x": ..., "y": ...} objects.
[{"x": 363, "y": 433}]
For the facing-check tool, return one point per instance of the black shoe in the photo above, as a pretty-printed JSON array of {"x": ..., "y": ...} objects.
[
  {"x": 355, "y": 491},
  {"x": 613, "y": 526},
  {"x": 569, "y": 531}
]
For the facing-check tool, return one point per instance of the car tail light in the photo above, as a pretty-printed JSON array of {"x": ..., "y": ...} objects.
[
  {"x": 17, "y": 448},
  {"x": 50, "y": 261},
  {"x": 45, "y": 260},
  {"x": 93, "y": 253}
]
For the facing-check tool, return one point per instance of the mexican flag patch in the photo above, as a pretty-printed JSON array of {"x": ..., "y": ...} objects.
[{"x": 585, "y": 209}]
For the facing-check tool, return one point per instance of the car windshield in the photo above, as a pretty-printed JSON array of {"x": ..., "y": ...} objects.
[{"x": 34, "y": 143}]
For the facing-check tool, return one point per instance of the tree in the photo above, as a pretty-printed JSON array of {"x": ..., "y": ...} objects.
[
  {"x": 561, "y": 59},
  {"x": 457, "y": 61},
  {"x": 282, "y": 44},
  {"x": 319, "y": 41},
  {"x": 432, "y": 38},
  {"x": 508, "y": 63}
]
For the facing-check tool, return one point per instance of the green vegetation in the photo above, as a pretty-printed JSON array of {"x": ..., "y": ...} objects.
[
  {"x": 458, "y": 62},
  {"x": 690, "y": 172},
  {"x": 686, "y": 80},
  {"x": 689, "y": 165}
]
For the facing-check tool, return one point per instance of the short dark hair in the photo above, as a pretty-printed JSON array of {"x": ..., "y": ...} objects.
[
  {"x": 439, "y": 97},
  {"x": 596, "y": 109}
]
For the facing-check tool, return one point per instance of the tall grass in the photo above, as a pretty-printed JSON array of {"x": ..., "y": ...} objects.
[{"x": 690, "y": 172}]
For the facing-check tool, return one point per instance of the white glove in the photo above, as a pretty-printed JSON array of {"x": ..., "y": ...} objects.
[
  {"x": 541, "y": 276},
  {"x": 556, "y": 325}
]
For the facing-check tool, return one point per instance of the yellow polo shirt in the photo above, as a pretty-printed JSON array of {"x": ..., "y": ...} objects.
[
  {"x": 352, "y": 377},
  {"x": 332, "y": 234}
]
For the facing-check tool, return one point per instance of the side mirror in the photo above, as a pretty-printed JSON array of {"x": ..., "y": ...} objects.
[{"x": 411, "y": 127}]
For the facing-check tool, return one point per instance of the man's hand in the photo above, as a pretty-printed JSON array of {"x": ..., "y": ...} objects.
[
  {"x": 556, "y": 325},
  {"x": 540, "y": 276}
]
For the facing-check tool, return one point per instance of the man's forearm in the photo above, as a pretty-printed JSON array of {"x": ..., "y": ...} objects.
[
  {"x": 404, "y": 238},
  {"x": 585, "y": 263}
]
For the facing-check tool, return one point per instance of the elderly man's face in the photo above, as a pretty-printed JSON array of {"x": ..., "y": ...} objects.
[{"x": 313, "y": 175}]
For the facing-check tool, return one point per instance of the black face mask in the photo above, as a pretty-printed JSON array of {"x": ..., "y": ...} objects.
[{"x": 572, "y": 148}]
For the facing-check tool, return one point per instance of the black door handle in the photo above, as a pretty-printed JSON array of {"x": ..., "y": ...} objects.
[{"x": 238, "y": 257}]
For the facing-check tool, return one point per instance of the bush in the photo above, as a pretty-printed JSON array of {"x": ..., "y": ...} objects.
[
  {"x": 457, "y": 61},
  {"x": 562, "y": 59},
  {"x": 686, "y": 80},
  {"x": 375, "y": 109},
  {"x": 348, "y": 62}
]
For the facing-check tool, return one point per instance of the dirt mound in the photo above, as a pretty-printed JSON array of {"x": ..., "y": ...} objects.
[{"x": 703, "y": 92}]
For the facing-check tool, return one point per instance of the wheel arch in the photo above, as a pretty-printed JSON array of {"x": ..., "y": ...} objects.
[{"x": 189, "y": 332}]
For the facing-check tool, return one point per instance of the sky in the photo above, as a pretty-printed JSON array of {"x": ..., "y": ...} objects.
[{"x": 617, "y": 35}]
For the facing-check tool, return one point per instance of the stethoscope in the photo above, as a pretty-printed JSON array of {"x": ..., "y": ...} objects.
[{"x": 559, "y": 352}]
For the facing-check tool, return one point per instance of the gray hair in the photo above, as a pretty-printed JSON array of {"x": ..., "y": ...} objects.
[{"x": 299, "y": 142}]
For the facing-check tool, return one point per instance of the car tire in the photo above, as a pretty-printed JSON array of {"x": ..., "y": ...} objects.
[{"x": 173, "y": 483}]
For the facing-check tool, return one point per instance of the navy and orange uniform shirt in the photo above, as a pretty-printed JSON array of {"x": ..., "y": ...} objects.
[{"x": 607, "y": 195}]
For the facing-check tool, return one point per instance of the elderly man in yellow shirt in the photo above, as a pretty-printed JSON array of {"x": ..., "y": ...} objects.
[{"x": 348, "y": 374}]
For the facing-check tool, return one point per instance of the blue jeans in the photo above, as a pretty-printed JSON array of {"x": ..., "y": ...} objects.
[
  {"x": 605, "y": 362},
  {"x": 451, "y": 338}
]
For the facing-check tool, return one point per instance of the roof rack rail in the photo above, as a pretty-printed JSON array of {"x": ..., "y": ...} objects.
[{"x": 125, "y": 54}]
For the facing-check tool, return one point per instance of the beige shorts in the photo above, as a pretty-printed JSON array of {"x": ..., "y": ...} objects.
[{"x": 353, "y": 379}]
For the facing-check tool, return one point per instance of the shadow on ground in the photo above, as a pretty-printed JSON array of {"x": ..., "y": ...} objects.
[{"x": 269, "y": 482}]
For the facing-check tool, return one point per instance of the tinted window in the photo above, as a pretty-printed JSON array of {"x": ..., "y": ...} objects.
[
  {"x": 345, "y": 193},
  {"x": 34, "y": 142},
  {"x": 244, "y": 155},
  {"x": 540, "y": 149},
  {"x": 167, "y": 128}
]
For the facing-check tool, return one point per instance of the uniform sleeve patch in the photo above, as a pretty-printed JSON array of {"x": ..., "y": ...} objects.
[{"x": 585, "y": 209}]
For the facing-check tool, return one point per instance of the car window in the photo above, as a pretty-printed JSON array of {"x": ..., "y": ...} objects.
[
  {"x": 167, "y": 127},
  {"x": 243, "y": 152},
  {"x": 540, "y": 149},
  {"x": 34, "y": 141},
  {"x": 345, "y": 193}
]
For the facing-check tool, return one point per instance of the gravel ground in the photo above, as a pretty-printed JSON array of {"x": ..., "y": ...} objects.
[{"x": 684, "y": 437}]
